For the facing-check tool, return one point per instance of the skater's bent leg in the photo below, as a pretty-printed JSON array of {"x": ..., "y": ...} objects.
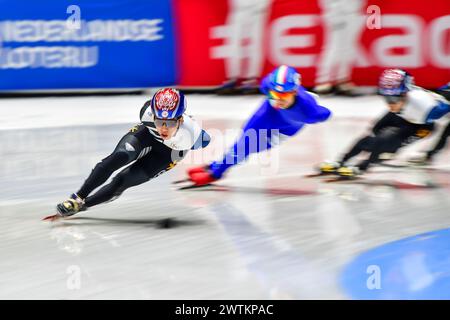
[
  {"x": 125, "y": 152},
  {"x": 160, "y": 160},
  {"x": 132, "y": 176},
  {"x": 381, "y": 145},
  {"x": 364, "y": 144}
]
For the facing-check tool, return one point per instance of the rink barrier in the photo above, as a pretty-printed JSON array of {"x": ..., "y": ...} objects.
[{"x": 91, "y": 45}]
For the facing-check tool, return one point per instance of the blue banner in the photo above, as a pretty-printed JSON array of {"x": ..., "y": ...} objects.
[{"x": 86, "y": 44}]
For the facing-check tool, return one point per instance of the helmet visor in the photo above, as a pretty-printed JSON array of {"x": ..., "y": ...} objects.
[
  {"x": 170, "y": 123},
  {"x": 393, "y": 99},
  {"x": 281, "y": 95}
]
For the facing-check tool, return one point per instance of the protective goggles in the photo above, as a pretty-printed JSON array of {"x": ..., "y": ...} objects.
[
  {"x": 170, "y": 123},
  {"x": 393, "y": 99},
  {"x": 281, "y": 95}
]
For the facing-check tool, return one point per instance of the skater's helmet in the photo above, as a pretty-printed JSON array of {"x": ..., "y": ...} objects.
[
  {"x": 168, "y": 103},
  {"x": 395, "y": 83},
  {"x": 284, "y": 79}
]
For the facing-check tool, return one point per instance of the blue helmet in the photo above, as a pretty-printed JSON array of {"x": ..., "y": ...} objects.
[
  {"x": 168, "y": 103},
  {"x": 395, "y": 82},
  {"x": 284, "y": 79}
]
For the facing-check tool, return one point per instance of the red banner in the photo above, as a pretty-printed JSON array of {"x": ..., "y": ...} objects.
[{"x": 326, "y": 40}]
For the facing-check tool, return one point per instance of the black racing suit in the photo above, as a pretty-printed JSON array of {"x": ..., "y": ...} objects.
[
  {"x": 151, "y": 157},
  {"x": 390, "y": 133}
]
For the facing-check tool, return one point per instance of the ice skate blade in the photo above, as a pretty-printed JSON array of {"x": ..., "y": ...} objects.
[
  {"x": 181, "y": 181},
  {"x": 194, "y": 186},
  {"x": 319, "y": 174},
  {"x": 52, "y": 217},
  {"x": 342, "y": 179}
]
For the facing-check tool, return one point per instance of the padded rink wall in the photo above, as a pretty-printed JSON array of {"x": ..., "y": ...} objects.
[
  {"x": 115, "y": 45},
  {"x": 199, "y": 43},
  {"x": 414, "y": 35}
]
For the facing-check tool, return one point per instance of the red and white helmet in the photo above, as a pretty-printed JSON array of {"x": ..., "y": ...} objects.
[{"x": 168, "y": 103}]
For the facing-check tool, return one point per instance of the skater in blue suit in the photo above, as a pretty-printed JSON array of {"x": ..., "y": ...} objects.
[{"x": 286, "y": 110}]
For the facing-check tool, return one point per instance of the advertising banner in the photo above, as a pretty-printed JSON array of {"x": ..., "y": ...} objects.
[
  {"x": 95, "y": 44},
  {"x": 326, "y": 40}
]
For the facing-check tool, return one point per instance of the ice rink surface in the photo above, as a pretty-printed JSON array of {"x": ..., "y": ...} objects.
[{"x": 265, "y": 232}]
